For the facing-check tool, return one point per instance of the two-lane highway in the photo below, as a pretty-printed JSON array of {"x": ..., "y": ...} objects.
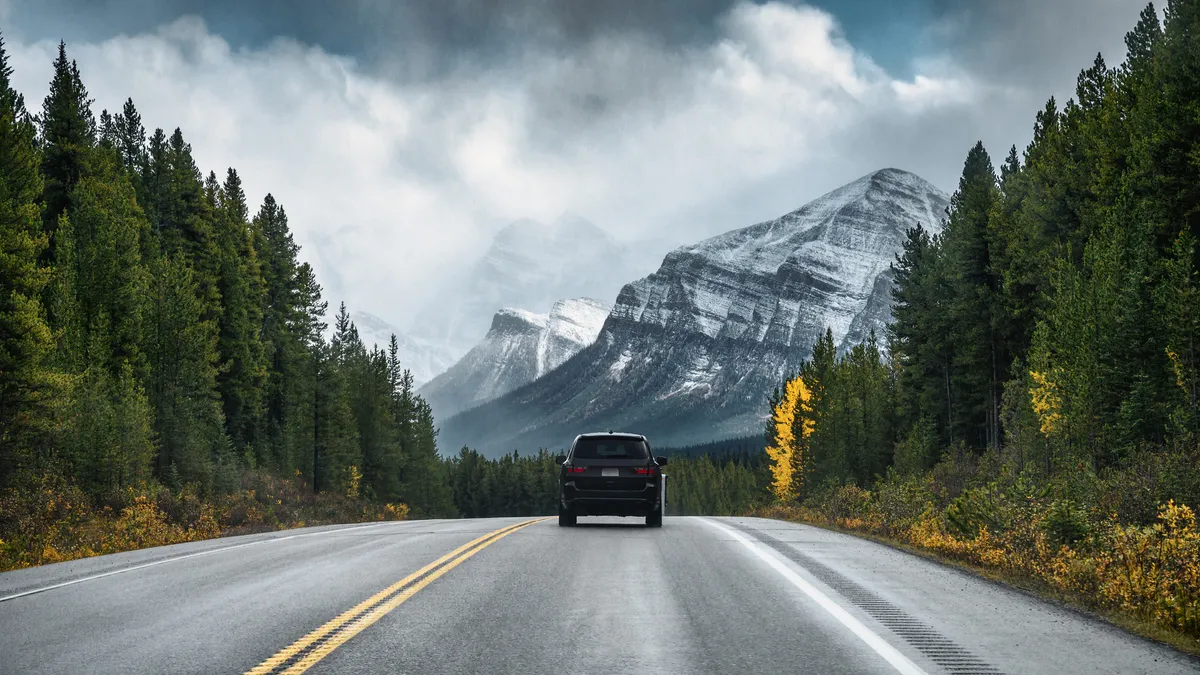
[{"x": 700, "y": 595}]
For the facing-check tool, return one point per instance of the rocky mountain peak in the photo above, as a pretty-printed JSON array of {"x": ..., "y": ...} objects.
[{"x": 691, "y": 352}]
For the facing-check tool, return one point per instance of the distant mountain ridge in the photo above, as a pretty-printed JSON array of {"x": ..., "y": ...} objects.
[
  {"x": 689, "y": 353},
  {"x": 530, "y": 265},
  {"x": 520, "y": 347}
]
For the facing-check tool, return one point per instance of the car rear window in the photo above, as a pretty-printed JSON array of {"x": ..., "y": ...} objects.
[{"x": 610, "y": 448}]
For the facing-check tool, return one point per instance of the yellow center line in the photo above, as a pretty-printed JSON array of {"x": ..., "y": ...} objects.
[{"x": 445, "y": 563}]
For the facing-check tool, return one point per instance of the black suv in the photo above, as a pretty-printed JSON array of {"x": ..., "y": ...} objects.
[{"x": 610, "y": 475}]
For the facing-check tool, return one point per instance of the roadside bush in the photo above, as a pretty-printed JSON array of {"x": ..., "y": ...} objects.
[
  {"x": 1136, "y": 489},
  {"x": 1039, "y": 533},
  {"x": 977, "y": 510},
  {"x": 48, "y": 519},
  {"x": 1065, "y": 523},
  {"x": 902, "y": 500}
]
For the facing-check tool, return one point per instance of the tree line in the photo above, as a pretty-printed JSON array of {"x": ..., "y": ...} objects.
[
  {"x": 1053, "y": 324},
  {"x": 155, "y": 331}
]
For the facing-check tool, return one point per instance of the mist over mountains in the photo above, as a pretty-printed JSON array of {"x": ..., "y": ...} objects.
[{"x": 530, "y": 265}]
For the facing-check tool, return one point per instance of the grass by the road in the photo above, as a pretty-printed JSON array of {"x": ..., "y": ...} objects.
[{"x": 1143, "y": 579}]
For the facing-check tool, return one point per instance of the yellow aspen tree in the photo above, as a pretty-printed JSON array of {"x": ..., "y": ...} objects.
[
  {"x": 787, "y": 452},
  {"x": 1047, "y": 402}
]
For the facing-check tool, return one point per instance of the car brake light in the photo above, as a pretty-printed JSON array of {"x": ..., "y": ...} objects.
[
  {"x": 576, "y": 469},
  {"x": 644, "y": 471}
]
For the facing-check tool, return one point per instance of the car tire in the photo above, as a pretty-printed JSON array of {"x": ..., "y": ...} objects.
[
  {"x": 654, "y": 518},
  {"x": 565, "y": 517}
]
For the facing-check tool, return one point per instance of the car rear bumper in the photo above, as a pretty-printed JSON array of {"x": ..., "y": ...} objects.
[{"x": 610, "y": 502}]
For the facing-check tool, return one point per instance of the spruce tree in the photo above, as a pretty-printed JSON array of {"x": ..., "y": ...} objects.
[
  {"x": 335, "y": 434},
  {"x": 26, "y": 343},
  {"x": 182, "y": 350},
  {"x": 67, "y": 138},
  {"x": 919, "y": 337},
  {"x": 1171, "y": 127},
  {"x": 979, "y": 359},
  {"x": 180, "y": 214},
  {"x": 110, "y": 278},
  {"x": 283, "y": 340},
  {"x": 426, "y": 490},
  {"x": 243, "y": 365},
  {"x": 131, "y": 139}
]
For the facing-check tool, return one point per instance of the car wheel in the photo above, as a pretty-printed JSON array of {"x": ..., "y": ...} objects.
[
  {"x": 565, "y": 517},
  {"x": 654, "y": 518}
]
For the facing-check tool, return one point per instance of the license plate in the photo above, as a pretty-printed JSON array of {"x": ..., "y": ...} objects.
[{"x": 610, "y": 472}]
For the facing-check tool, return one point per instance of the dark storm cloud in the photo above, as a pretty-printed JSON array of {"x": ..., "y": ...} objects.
[
  {"x": 425, "y": 38},
  {"x": 1038, "y": 44},
  {"x": 1024, "y": 41},
  {"x": 431, "y": 36}
]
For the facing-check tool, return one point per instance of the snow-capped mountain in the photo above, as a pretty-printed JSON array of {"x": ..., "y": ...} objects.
[
  {"x": 690, "y": 353},
  {"x": 530, "y": 265},
  {"x": 520, "y": 347},
  {"x": 423, "y": 358}
]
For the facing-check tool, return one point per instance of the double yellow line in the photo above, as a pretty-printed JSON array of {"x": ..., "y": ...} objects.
[{"x": 308, "y": 650}]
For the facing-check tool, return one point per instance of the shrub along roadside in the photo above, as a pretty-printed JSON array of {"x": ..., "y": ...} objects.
[
  {"x": 1143, "y": 576},
  {"x": 49, "y": 520}
]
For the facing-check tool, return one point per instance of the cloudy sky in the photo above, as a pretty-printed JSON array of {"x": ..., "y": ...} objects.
[{"x": 400, "y": 135}]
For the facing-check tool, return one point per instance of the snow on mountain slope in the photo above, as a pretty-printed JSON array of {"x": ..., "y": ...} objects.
[
  {"x": 530, "y": 265},
  {"x": 785, "y": 280},
  {"x": 690, "y": 353},
  {"x": 423, "y": 358},
  {"x": 520, "y": 347}
]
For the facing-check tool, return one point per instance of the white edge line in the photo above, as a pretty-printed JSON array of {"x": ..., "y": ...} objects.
[
  {"x": 898, "y": 661},
  {"x": 143, "y": 566}
]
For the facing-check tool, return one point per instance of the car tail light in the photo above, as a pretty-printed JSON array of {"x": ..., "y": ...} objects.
[
  {"x": 576, "y": 469},
  {"x": 644, "y": 471}
]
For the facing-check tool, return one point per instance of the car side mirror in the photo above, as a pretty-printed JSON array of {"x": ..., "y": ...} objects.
[
  {"x": 661, "y": 461},
  {"x": 559, "y": 459}
]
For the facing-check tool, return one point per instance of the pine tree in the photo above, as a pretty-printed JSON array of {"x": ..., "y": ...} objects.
[
  {"x": 68, "y": 136},
  {"x": 181, "y": 215},
  {"x": 979, "y": 358},
  {"x": 298, "y": 396},
  {"x": 1016, "y": 260},
  {"x": 63, "y": 301},
  {"x": 335, "y": 437},
  {"x": 110, "y": 279},
  {"x": 426, "y": 490},
  {"x": 244, "y": 370},
  {"x": 1171, "y": 126},
  {"x": 1179, "y": 300},
  {"x": 827, "y": 449},
  {"x": 130, "y": 139},
  {"x": 921, "y": 336},
  {"x": 282, "y": 348},
  {"x": 108, "y": 436},
  {"x": 155, "y": 187},
  {"x": 182, "y": 348},
  {"x": 26, "y": 343}
]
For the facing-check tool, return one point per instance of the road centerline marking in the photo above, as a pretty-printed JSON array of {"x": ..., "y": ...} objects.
[
  {"x": 899, "y": 661},
  {"x": 311, "y": 648}
]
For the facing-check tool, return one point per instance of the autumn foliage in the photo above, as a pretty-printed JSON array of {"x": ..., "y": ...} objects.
[
  {"x": 791, "y": 426},
  {"x": 51, "y": 520},
  {"x": 1092, "y": 543}
]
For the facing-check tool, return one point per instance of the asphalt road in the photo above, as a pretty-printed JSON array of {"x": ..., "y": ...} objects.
[{"x": 699, "y": 595}]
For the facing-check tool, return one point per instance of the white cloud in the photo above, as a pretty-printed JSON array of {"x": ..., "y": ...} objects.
[{"x": 389, "y": 185}]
